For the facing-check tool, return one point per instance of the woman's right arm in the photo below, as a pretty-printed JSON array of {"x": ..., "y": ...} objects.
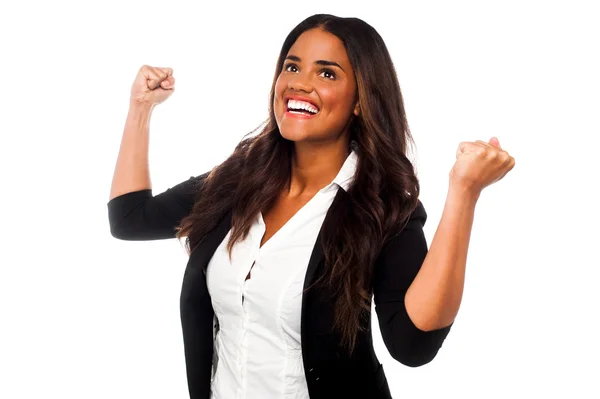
[
  {"x": 139, "y": 215},
  {"x": 133, "y": 212}
]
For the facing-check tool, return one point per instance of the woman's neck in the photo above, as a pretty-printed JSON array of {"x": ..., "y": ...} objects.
[{"x": 314, "y": 167}]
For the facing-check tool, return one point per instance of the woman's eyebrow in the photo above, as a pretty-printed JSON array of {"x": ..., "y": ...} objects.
[{"x": 318, "y": 62}]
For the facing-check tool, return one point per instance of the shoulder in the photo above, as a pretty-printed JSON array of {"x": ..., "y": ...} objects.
[
  {"x": 415, "y": 222},
  {"x": 410, "y": 241},
  {"x": 418, "y": 215}
]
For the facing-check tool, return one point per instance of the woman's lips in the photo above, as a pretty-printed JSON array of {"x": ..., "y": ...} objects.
[{"x": 300, "y": 115}]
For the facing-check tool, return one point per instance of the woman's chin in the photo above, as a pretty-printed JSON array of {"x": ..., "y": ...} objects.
[{"x": 294, "y": 134}]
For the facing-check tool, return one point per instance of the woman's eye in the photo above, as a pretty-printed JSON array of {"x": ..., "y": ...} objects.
[{"x": 328, "y": 73}]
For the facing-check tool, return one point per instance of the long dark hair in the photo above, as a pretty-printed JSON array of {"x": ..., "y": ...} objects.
[{"x": 378, "y": 202}]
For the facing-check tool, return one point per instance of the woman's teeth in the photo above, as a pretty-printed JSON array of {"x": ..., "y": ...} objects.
[{"x": 301, "y": 107}]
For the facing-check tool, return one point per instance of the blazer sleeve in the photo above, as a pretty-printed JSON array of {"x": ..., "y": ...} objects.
[
  {"x": 140, "y": 216},
  {"x": 397, "y": 266}
]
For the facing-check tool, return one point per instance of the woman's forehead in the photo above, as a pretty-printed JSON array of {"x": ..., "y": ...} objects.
[{"x": 317, "y": 44}]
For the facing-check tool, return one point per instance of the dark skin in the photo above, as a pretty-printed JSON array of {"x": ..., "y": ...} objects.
[{"x": 317, "y": 68}]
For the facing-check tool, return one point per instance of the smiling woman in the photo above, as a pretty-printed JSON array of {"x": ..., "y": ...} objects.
[
  {"x": 293, "y": 236},
  {"x": 321, "y": 84}
]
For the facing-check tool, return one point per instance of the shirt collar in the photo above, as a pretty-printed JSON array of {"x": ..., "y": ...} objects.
[{"x": 346, "y": 174}]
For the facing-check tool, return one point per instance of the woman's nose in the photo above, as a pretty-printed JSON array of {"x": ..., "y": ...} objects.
[{"x": 300, "y": 83}]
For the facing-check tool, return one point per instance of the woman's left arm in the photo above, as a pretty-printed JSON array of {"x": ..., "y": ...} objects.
[
  {"x": 417, "y": 291},
  {"x": 433, "y": 299}
]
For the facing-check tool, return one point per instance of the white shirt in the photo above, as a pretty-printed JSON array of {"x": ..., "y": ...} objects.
[{"x": 257, "y": 346}]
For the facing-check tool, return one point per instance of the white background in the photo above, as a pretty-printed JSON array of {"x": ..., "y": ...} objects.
[{"x": 84, "y": 315}]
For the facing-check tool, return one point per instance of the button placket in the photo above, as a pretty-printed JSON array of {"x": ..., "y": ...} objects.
[{"x": 254, "y": 249}]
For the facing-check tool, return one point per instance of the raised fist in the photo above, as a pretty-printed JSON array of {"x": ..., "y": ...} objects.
[{"x": 152, "y": 85}]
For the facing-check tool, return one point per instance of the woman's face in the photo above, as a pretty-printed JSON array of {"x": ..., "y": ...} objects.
[{"x": 315, "y": 93}]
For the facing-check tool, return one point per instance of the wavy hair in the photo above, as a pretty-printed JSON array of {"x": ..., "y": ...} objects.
[{"x": 377, "y": 204}]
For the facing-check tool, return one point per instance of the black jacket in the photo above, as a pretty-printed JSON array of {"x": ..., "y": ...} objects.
[{"x": 330, "y": 373}]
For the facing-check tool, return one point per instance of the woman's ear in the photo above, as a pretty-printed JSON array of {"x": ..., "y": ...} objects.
[{"x": 356, "y": 109}]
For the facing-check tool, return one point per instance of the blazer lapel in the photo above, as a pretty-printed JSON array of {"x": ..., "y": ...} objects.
[
  {"x": 202, "y": 255},
  {"x": 315, "y": 258},
  {"x": 313, "y": 265}
]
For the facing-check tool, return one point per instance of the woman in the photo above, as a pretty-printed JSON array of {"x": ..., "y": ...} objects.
[{"x": 291, "y": 236}]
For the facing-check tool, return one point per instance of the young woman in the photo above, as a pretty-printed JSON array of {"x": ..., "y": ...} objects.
[{"x": 292, "y": 236}]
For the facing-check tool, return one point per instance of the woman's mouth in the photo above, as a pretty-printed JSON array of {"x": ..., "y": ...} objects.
[{"x": 301, "y": 109}]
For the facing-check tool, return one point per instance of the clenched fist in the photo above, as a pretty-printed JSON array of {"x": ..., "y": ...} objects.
[
  {"x": 479, "y": 164},
  {"x": 152, "y": 85}
]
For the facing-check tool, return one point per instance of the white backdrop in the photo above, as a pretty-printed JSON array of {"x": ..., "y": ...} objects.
[{"x": 84, "y": 315}]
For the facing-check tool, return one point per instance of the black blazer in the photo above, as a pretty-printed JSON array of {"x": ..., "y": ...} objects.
[{"x": 330, "y": 373}]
